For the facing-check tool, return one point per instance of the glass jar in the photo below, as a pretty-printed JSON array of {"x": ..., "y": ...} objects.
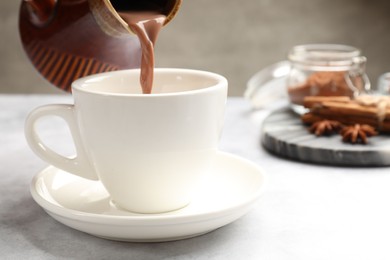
[
  {"x": 325, "y": 70},
  {"x": 384, "y": 84}
]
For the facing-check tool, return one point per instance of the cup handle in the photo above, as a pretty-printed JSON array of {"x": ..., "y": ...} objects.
[{"x": 79, "y": 165}]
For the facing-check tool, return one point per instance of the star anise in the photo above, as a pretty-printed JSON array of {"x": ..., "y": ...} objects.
[
  {"x": 357, "y": 133},
  {"x": 325, "y": 127}
]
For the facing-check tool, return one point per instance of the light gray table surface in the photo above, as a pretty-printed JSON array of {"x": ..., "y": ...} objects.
[{"x": 306, "y": 212}]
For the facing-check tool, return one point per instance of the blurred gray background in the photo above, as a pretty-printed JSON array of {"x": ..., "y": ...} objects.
[{"x": 233, "y": 38}]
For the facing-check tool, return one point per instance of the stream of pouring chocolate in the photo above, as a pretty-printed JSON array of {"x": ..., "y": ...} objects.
[{"x": 146, "y": 25}]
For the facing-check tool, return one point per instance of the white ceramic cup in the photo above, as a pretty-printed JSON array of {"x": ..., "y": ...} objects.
[{"x": 148, "y": 150}]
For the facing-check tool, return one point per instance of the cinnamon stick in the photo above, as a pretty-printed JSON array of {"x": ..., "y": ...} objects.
[
  {"x": 346, "y": 111},
  {"x": 311, "y": 101}
]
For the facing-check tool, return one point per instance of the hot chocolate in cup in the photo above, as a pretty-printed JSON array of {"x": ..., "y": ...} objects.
[{"x": 149, "y": 150}]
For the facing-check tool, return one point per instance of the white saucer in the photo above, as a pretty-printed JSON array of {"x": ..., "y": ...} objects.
[{"x": 227, "y": 194}]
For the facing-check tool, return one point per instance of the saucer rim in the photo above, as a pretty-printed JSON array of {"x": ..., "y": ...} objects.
[{"x": 146, "y": 219}]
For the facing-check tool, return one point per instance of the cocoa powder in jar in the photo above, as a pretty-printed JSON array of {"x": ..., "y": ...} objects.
[{"x": 323, "y": 83}]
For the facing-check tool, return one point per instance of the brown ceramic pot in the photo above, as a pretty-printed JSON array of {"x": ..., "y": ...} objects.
[{"x": 69, "y": 39}]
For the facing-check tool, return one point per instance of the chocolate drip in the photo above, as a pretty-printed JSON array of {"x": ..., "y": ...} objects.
[{"x": 146, "y": 25}]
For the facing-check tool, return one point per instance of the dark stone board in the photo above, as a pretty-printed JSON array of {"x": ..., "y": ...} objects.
[{"x": 283, "y": 134}]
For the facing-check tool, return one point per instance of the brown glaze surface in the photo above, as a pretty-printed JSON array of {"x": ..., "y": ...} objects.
[{"x": 71, "y": 44}]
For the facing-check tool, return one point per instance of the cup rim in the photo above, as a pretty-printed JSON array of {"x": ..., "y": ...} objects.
[{"x": 221, "y": 82}]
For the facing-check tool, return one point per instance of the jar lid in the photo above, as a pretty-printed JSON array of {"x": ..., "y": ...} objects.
[{"x": 324, "y": 54}]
